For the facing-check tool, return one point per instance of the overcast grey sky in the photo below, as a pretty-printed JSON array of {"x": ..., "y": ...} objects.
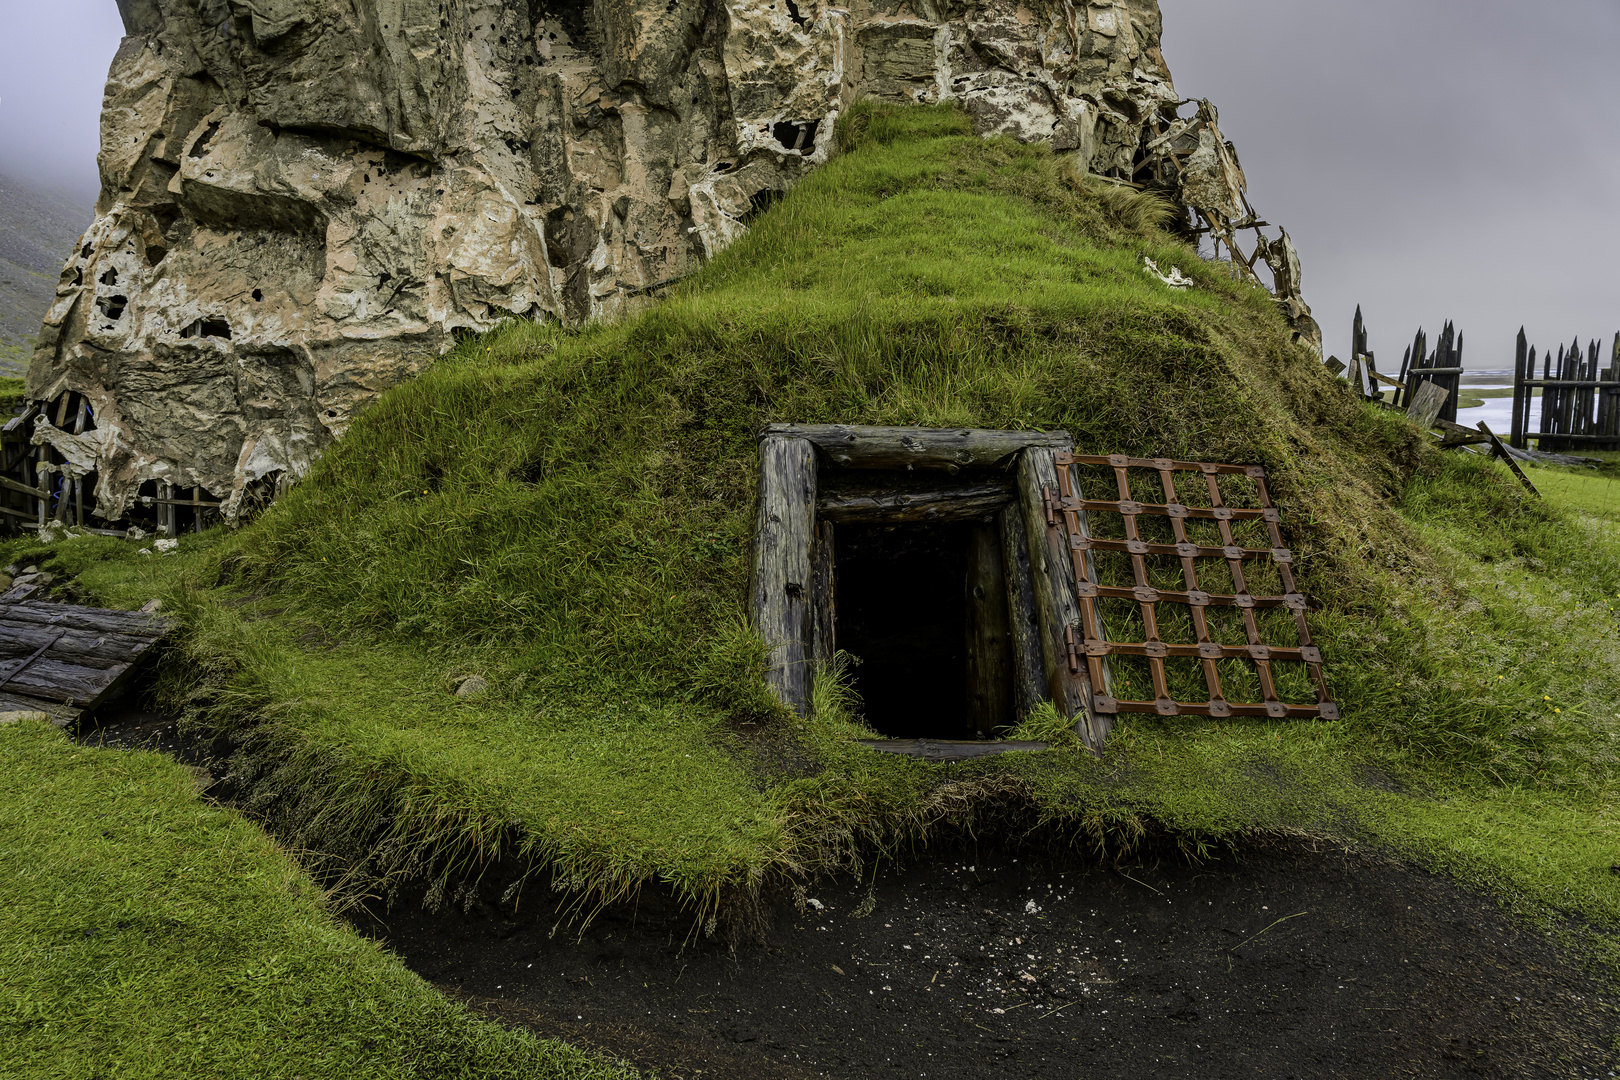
[
  {"x": 1433, "y": 159},
  {"x": 54, "y": 56}
]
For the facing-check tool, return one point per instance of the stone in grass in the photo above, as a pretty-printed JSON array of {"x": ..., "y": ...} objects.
[{"x": 472, "y": 686}]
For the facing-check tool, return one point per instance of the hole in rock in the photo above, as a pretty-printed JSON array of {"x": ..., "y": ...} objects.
[
  {"x": 166, "y": 216},
  {"x": 759, "y": 202},
  {"x": 206, "y": 328},
  {"x": 113, "y": 306},
  {"x": 258, "y": 295},
  {"x": 110, "y": 277},
  {"x": 902, "y": 609},
  {"x": 796, "y": 134},
  {"x": 200, "y": 147},
  {"x": 793, "y": 13}
]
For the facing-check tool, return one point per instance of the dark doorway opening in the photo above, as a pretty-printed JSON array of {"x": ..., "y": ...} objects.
[{"x": 902, "y": 613}]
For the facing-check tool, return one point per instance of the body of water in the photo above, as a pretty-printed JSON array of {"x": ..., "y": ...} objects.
[{"x": 1497, "y": 411}]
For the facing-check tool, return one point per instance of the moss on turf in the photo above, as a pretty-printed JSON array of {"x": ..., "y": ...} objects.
[
  {"x": 569, "y": 513},
  {"x": 148, "y": 934}
]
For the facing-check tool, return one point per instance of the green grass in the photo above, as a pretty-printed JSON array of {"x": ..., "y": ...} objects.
[
  {"x": 148, "y": 934},
  {"x": 11, "y": 393},
  {"x": 569, "y": 513}
]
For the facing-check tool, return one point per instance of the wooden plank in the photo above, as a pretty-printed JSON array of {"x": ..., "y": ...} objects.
[
  {"x": 12, "y": 485},
  {"x": 69, "y": 617},
  {"x": 1056, "y": 601},
  {"x": 781, "y": 584},
  {"x": 989, "y": 648},
  {"x": 1024, "y": 624},
  {"x": 58, "y": 680},
  {"x": 1426, "y": 404},
  {"x": 1500, "y": 451},
  {"x": 917, "y": 448},
  {"x": 941, "y": 750},
  {"x": 824, "y": 596},
  {"x": 61, "y": 715},
  {"x": 944, "y": 505},
  {"x": 89, "y": 648}
]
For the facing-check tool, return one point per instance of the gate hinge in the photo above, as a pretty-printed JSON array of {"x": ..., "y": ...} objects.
[
  {"x": 1051, "y": 503},
  {"x": 1074, "y": 649}
]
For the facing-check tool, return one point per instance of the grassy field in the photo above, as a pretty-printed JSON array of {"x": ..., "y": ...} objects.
[
  {"x": 148, "y": 934},
  {"x": 568, "y": 514}
]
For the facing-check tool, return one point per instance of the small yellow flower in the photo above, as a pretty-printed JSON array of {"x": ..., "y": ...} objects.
[
  {"x": 1558, "y": 710},
  {"x": 1544, "y": 697}
]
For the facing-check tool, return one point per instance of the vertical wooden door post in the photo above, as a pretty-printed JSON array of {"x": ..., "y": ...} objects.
[
  {"x": 1028, "y": 667},
  {"x": 1056, "y": 601},
  {"x": 783, "y": 582}
]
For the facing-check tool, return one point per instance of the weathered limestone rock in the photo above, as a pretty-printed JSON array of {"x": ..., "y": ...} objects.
[{"x": 305, "y": 201}]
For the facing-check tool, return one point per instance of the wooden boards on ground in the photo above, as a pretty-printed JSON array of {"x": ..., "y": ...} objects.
[
  {"x": 62, "y": 659},
  {"x": 938, "y": 750}
]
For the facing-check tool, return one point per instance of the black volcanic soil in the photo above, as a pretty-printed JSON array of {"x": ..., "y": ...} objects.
[
  {"x": 1281, "y": 962},
  {"x": 1287, "y": 960}
]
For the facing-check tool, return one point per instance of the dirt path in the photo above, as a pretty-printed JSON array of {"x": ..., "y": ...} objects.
[{"x": 1287, "y": 962}]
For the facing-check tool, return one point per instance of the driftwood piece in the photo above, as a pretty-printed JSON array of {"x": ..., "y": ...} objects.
[
  {"x": 941, "y": 750},
  {"x": 1024, "y": 623},
  {"x": 989, "y": 650},
  {"x": 945, "y": 505},
  {"x": 1055, "y": 598},
  {"x": 947, "y": 450},
  {"x": 781, "y": 582},
  {"x": 1426, "y": 404}
]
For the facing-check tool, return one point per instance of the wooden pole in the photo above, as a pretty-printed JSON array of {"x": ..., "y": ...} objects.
[
  {"x": 781, "y": 582},
  {"x": 824, "y": 595},
  {"x": 1056, "y": 601},
  {"x": 989, "y": 651},
  {"x": 1024, "y": 623},
  {"x": 1520, "y": 391}
]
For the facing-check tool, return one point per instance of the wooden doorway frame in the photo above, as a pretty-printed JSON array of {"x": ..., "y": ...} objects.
[{"x": 791, "y": 599}]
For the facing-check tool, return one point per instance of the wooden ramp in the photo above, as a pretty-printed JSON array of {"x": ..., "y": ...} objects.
[{"x": 64, "y": 660}]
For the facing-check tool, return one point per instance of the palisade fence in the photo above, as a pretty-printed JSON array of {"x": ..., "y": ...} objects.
[
  {"x": 1580, "y": 398},
  {"x": 1443, "y": 367},
  {"x": 1580, "y": 404}
]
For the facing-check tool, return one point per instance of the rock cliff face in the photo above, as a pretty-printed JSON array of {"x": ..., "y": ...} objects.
[{"x": 304, "y": 201}]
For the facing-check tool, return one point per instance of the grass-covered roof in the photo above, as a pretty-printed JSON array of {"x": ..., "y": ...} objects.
[{"x": 568, "y": 514}]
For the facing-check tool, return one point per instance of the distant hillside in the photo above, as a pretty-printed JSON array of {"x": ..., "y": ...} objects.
[{"x": 37, "y": 230}]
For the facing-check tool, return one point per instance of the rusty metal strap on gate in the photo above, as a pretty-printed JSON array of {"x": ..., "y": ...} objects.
[{"x": 1068, "y": 510}]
